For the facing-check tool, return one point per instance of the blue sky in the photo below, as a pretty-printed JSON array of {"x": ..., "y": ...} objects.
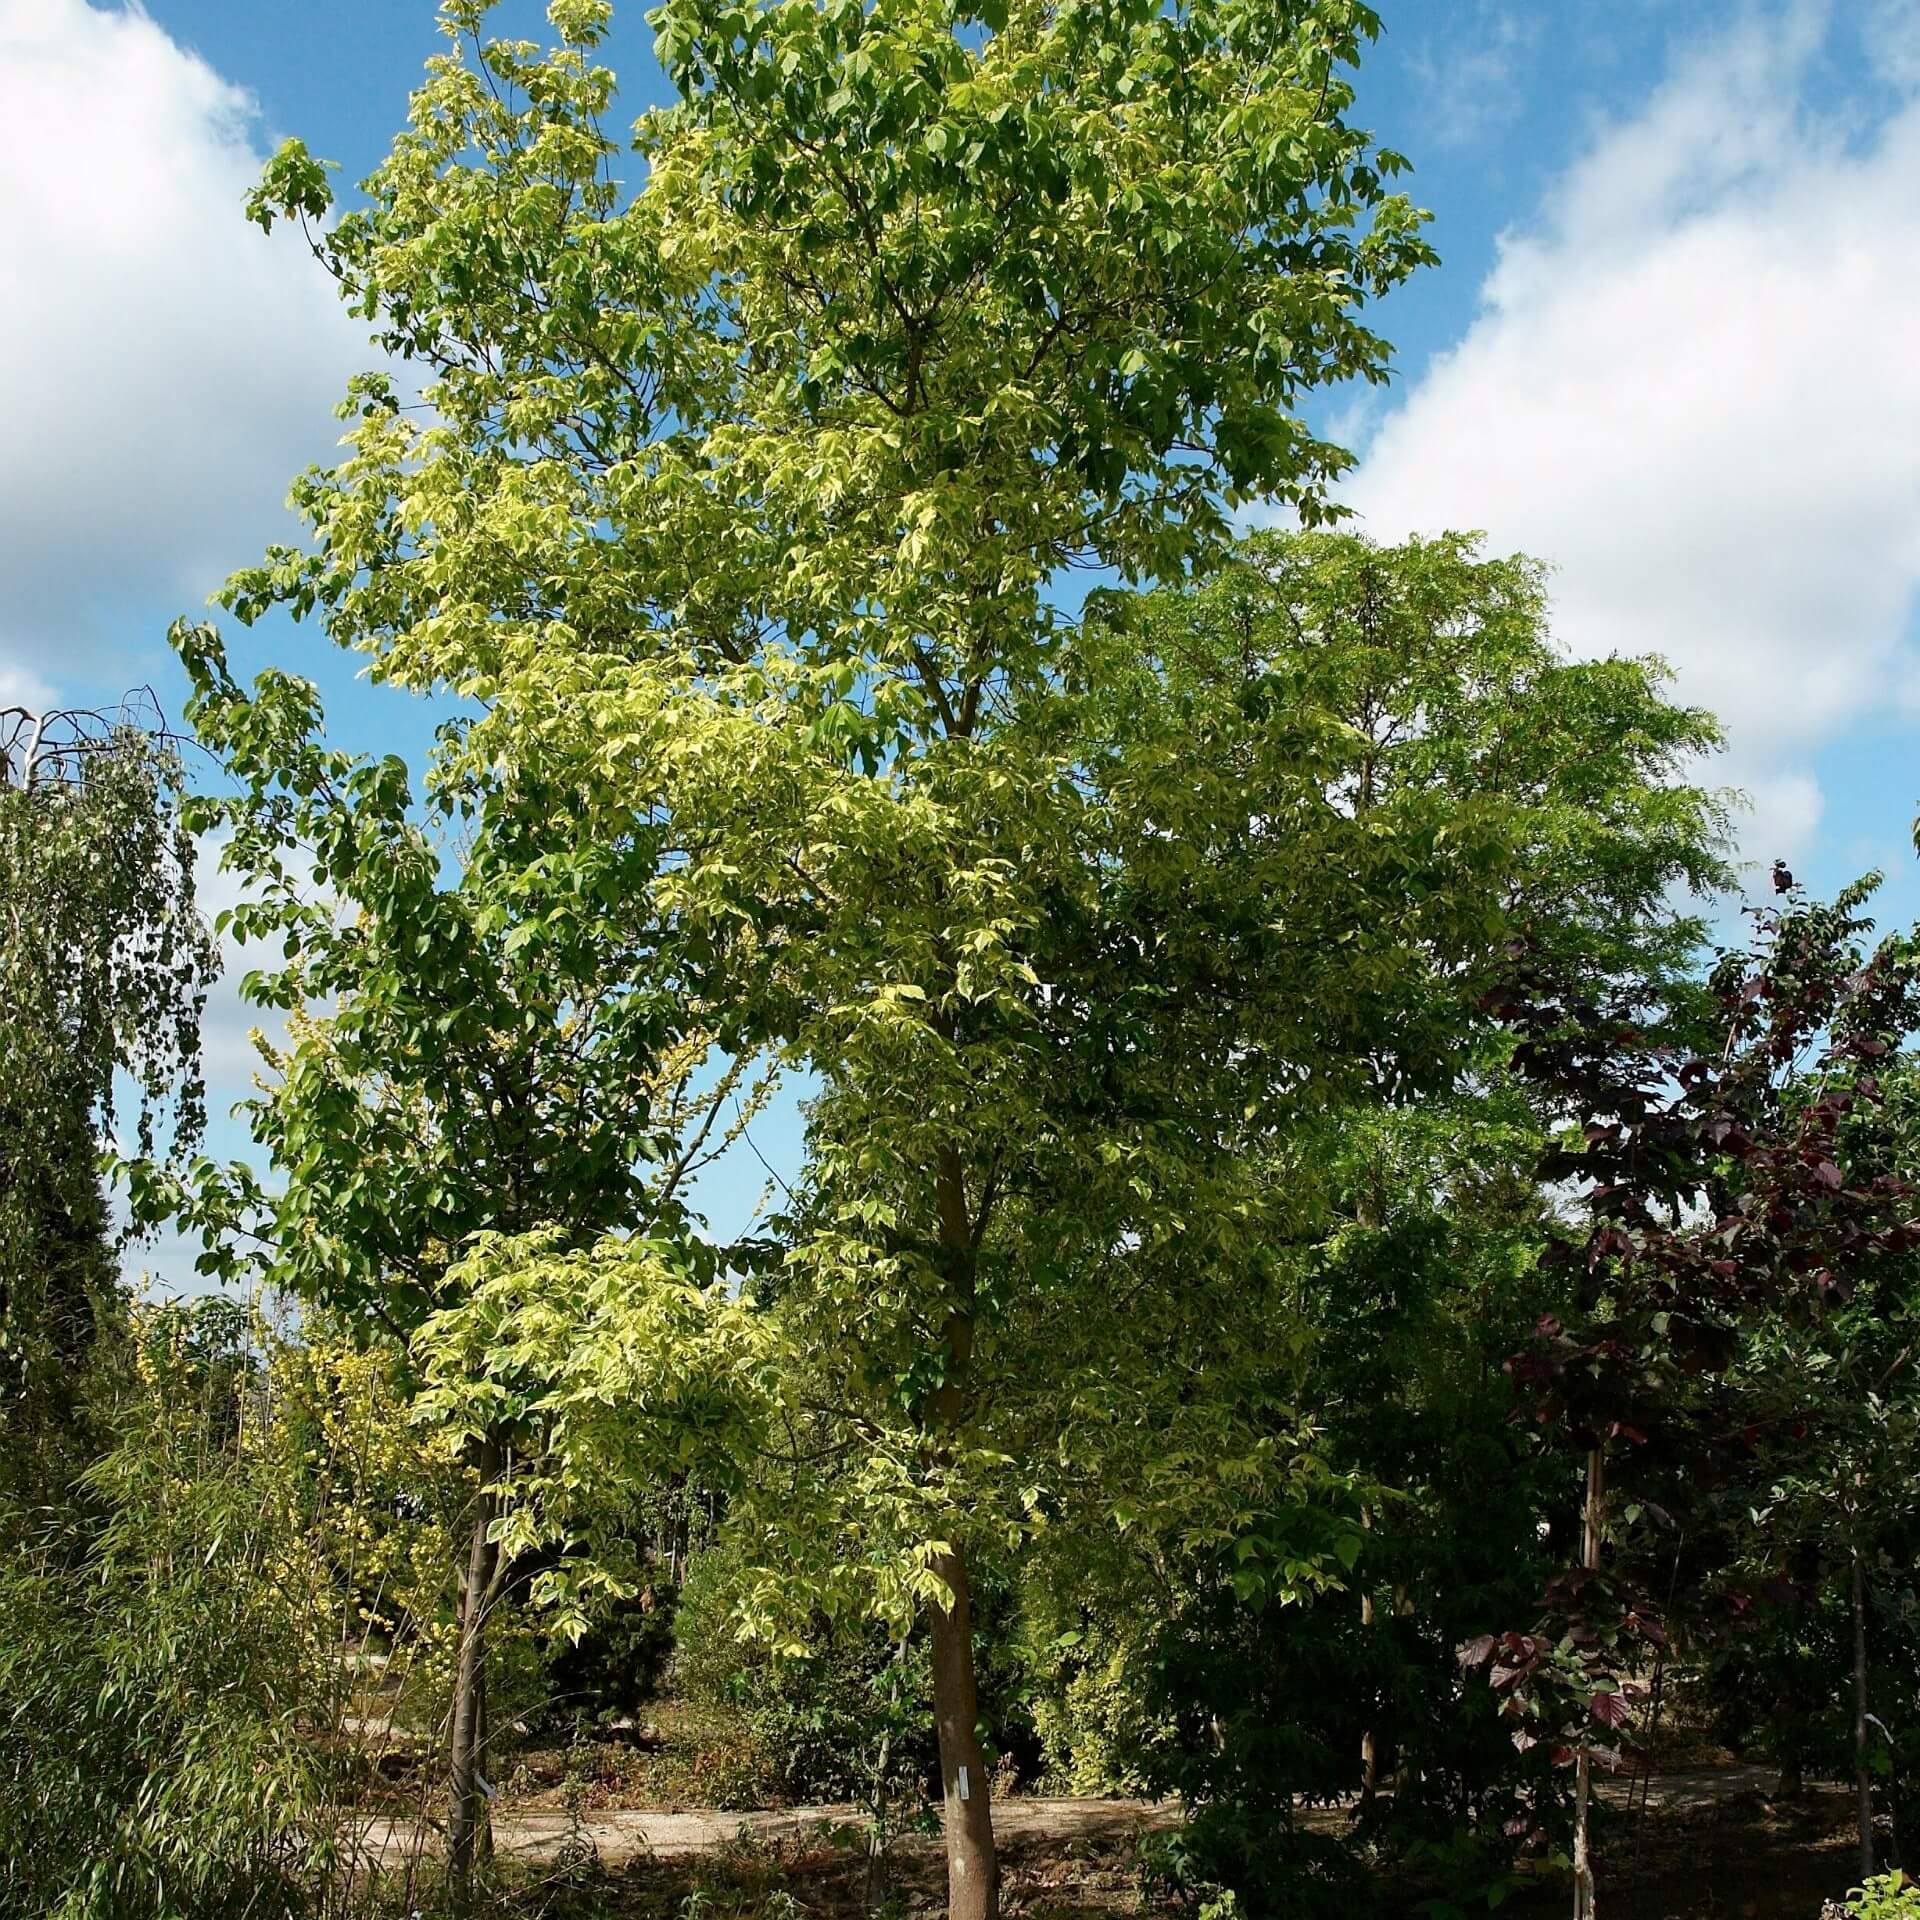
[{"x": 1670, "y": 350}]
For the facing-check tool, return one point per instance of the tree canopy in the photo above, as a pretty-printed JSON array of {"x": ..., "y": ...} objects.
[
  {"x": 746, "y": 497},
  {"x": 104, "y": 965}
]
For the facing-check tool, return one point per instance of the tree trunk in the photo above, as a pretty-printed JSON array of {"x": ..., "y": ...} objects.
[
  {"x": 1369, "y": 1737},
  {"x": 1862, "y": 1777},
  {"x": 973, "y": 1873},
  {"x": 880, "y": 1831},
  {"x": 482, "y": 1750},
  {"x": 1584, "y": 1903},
  {"x": 1790, "y": 1717},
  {"x": 466, "y": 1809}
]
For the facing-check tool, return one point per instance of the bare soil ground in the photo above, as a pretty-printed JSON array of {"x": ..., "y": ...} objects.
[
  {"x": 1729, "y": 1850},
  {"x": 1709, "y": 1843},
  {"x": 618, "y": 1835}
]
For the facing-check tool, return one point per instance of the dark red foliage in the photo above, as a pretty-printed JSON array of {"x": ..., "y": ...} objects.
[{"x": 1717, "y": 1188}]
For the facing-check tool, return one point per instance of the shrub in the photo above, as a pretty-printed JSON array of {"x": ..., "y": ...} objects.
[
  {"x": 620, "y": 1662},
  {"x": 162, "y": 1656},
  {"x": 849, "y": 1722}
]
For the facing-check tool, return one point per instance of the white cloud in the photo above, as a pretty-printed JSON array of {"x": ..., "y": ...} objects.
[
  {"x": 1470, "y": 75},
  {"x": 1692, "y": 387},
  {"x": 168, "y": 368},
  {"x": 19, "y": 688},
  {"x": 1890, "y": 30},
  {"x": 1784, "y": 810},
  {"x": 227, "y": 1050}
]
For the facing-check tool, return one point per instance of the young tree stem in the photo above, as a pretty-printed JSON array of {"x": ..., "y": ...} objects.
[
  {"x": 1863, "y": 1779},
  {"x": 1584, "y": 1903}
]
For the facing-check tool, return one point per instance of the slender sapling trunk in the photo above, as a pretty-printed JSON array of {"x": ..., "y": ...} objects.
[
  {"x": 973, "y": 1871},
  {"x": 1862, "y": 1777},
  {"x": 466, "y": 1809},
  {"x": 1584, "y": 1904}
]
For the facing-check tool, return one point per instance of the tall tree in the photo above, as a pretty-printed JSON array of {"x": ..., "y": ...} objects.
[
  {"x": 1819, "y": 1490},
  {"x": 486, "y": 1042},
  {"x": 1719, "y": 1194},
  {"x": 1409, "y": 1243},
  {"x": 744, "y": 495},
  {"x": 104, "y": 965}
]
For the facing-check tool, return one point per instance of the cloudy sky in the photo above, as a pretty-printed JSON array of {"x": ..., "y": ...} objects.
[{"x": 1671, "y": 349}]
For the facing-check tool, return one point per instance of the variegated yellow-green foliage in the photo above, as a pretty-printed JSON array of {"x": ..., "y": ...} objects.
[
  {"x": 614, "y": 1371},
  {"x": 384, "y": 1500},
  {"x": 914, "y": 305},
  {"x": 743, "y": 502}
]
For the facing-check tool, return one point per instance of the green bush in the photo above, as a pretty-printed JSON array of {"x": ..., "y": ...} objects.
[
  {"x": 1084, "y": 1636},
  {"x": 850, "y": 1722},
  {"x": 619, "y": 1663},
  {"x": 161, "y": 1659}
]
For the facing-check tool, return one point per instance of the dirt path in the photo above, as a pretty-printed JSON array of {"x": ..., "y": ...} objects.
[
  {"x": 621, "y": 1834},
  {"x": 1688, "y": 1790}
]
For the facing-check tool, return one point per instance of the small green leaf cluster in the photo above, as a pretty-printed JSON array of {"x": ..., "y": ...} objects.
[{"x": 1887, "y": 1896}]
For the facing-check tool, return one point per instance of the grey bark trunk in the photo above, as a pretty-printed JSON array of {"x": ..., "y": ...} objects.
[
  {"x": 466, "y": 1808},
  {"x": 879, "y": 1873},
  {"x": 973, "y": 1873}
]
